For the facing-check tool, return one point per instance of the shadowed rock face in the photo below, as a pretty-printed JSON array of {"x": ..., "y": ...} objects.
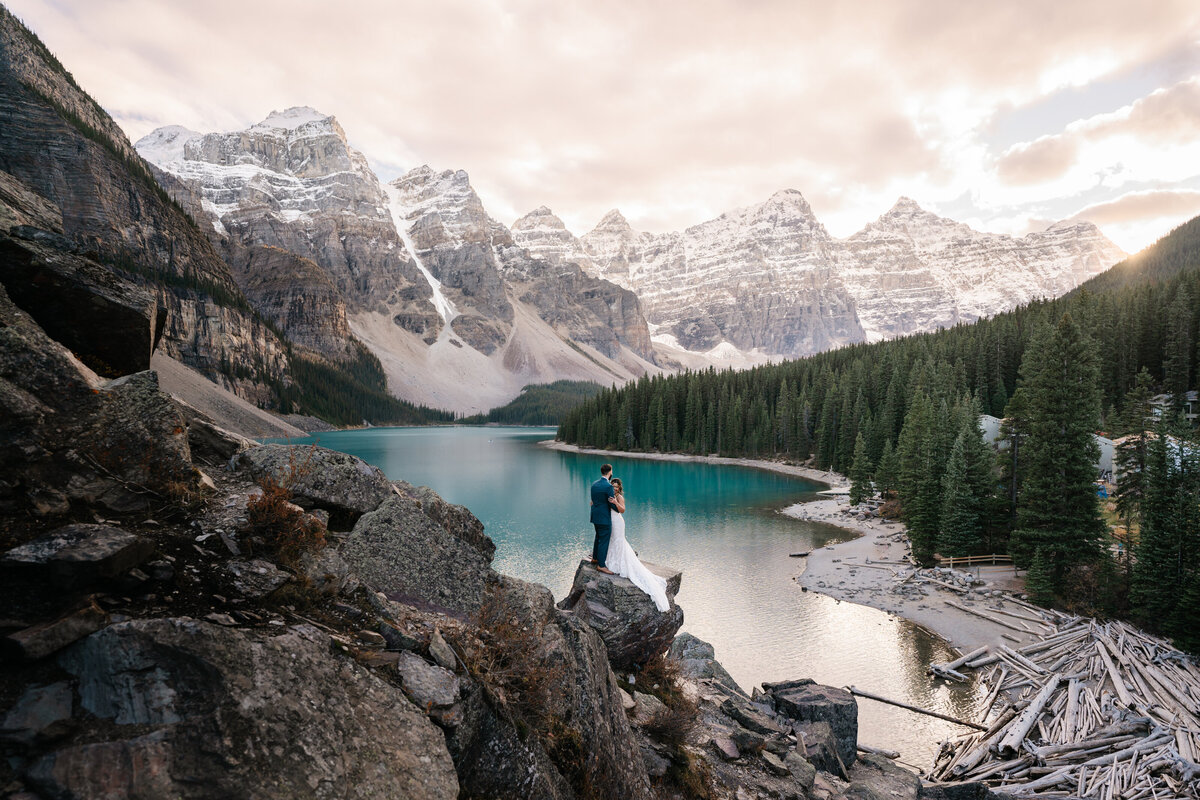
[
  {"x": 809, "y": 702},
  {"x": 319, "y": 477},
  {"x": 110, "y": 324},
  {"x": 634, "y": 631},
  {"x": 298, "y": 726},
  {"x": 70, "y": 437}
]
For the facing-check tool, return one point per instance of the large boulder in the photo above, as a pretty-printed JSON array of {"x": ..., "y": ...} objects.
[
  {"x": 807, "y": 701},
  {"x": 400, "y": 549},
  {"x": 318, "y": 477},
  {"x": 633, "y": 629},
  {"x": 228, "y": 712},
  {"x": 112, "y": 325}
]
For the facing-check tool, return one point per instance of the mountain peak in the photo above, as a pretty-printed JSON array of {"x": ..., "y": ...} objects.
[
  {"x": 540, "y": 217},
  {"x": 292, "y": 118},
  {"x": 905, "y": 205},
  {"x": 164, "y": 145},
  {"x": 790, "y": 199}
]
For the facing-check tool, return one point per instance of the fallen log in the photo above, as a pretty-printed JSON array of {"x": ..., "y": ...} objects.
[
  {"x": 860, "y": 693},
  {"x": 1011, "y": 743}
]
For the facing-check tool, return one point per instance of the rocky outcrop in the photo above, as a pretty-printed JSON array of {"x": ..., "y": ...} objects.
[
  {"x": 71, "y": 437},
  {"x": 633, "y": 630},
  {"x": 318, "y": 477},
  {"x": 807, "y": 701},
  {"x": 193, "y": 694},
  {"x": 72, "y": 298}
]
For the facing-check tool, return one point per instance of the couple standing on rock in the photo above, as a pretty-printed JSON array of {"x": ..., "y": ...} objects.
[{"x": 611, "y": 552}]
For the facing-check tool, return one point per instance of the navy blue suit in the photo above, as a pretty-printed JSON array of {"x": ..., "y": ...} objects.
[{"x": 601, "y": 519}]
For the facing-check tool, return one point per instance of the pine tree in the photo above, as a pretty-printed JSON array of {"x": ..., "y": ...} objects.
[
  {"x": 960, "y": 523},
  {"x": 888, "y": 471},
  {"x": 920, "y": 478},
  {"x": 1156, "y": 578},
  {"x": 1130, "y": 458},
  {"x": 1039, "y": 580},
  {"x": 1059, "y": 514},
  {"x": 860, "y": 472}
]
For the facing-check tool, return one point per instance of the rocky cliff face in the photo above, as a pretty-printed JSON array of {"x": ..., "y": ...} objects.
[
  {"x": 770, "y": 277},
  {"x": 912, "y": 271},
  {"x": 67, "y": 169}
]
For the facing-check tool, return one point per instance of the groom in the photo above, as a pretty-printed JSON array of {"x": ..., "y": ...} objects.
[{"x": 602, "y": 491}]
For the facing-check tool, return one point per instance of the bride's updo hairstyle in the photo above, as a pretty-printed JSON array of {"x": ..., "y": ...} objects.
[{"x": 618, "y": 488}]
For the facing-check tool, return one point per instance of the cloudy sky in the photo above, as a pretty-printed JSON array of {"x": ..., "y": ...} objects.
[{"x": 1005, "y": 115}]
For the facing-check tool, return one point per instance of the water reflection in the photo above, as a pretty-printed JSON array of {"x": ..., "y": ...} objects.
[{"x": 721, "y": 526}]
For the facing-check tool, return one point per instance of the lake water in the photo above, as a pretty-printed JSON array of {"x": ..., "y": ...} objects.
[{"x": 721, "y": 526}]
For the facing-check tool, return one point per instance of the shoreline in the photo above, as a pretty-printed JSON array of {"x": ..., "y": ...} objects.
[
  {"x": 837, "y": 570},
  {"x": 831, "y": 480}
]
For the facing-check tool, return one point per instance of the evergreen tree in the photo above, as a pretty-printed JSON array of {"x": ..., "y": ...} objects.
[
  {"x": 888, "y": 471},
  {"x": 860, "y": 472},
  {"x": 1131, "y": 455},
  {"x": 1039, "y": 580},
  {"x": 920, "y": 478},
  {"x": 1059, "y": 514},
  {"x": 960, "y": 523}
]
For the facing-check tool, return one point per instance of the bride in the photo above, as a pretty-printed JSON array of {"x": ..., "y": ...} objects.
[{"x": 623, "y": 561}]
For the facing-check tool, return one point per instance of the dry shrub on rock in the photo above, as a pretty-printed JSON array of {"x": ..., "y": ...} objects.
[
  {"x": 286, "y": 529},
  {"x": 512, "y": 663}
]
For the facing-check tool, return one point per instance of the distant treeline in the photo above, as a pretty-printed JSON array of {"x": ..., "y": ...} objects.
[
  {"x": 899, "y": 415},
  {"x": 539, "y": 404}
]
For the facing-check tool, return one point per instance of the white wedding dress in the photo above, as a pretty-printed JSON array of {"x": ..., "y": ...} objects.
[{"x": 622, "y": 560}]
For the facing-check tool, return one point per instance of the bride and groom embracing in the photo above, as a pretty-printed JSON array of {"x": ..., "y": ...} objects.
[{"x": 611, "y": 552}]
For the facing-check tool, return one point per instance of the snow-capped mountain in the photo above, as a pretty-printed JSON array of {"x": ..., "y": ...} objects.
[
  {"x": 770, "y": 279},
  {"x": 416, "y": 269},
  {"x": 911, "y": 270}
]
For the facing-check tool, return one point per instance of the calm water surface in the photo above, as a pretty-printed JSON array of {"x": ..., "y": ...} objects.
[{"x": 719, "y": 524}]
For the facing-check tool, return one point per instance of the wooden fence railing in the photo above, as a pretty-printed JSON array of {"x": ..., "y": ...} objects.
[{"x": 970, "y": 561}]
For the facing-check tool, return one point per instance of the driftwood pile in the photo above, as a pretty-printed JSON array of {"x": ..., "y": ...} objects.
[{"x": 1099, "y": 710}]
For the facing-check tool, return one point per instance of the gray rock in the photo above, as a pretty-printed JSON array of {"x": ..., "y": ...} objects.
[
  {"x": 801, "y": 770},
  {"x": 819, "y": 746},
  {"x": 726, "y": 748},
  {"x": 255, "y": 579},
  {"x": 78, "y": 555},
  {"x": 320, "y": 478},
  {"x": 133, "y": 768},
  {"x": 634, "y": 631},
  {"x": 426, "y": 684},
  {"x": 48, "y": 638},
  {"x": 656, "y": 765},
  {"x": 877, "y": 777},
  {"x": 399, "y": 549},
  {"x": 697, "y": 659},
  {"x": 396, "y": 639},
  {"x": 210, "y": 443},
  {"x": 244, "y": 712},
  {"x": 807, "y": 701},
  {"x": 774, "y": 764},
  {"x": 750, "y": 718},
  {"x": 37, "y": 713},
  {"x": 327, "y": 572},
  {"x": 441, "y": 652},
  {"x": 646, "y": 707},
  {"x": 458, "y": 521}
]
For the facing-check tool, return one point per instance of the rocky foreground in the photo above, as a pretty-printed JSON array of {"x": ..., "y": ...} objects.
[{"x": 189, "y": 614}]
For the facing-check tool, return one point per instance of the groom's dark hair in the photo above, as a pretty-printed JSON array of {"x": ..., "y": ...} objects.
[{"x": 605, "y": 469}]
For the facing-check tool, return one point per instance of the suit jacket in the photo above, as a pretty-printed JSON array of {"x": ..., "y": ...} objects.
[{"x": 601, "y": 510}]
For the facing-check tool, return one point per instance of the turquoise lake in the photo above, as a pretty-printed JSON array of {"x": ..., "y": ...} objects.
[{"x": 721, "y": 526}]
